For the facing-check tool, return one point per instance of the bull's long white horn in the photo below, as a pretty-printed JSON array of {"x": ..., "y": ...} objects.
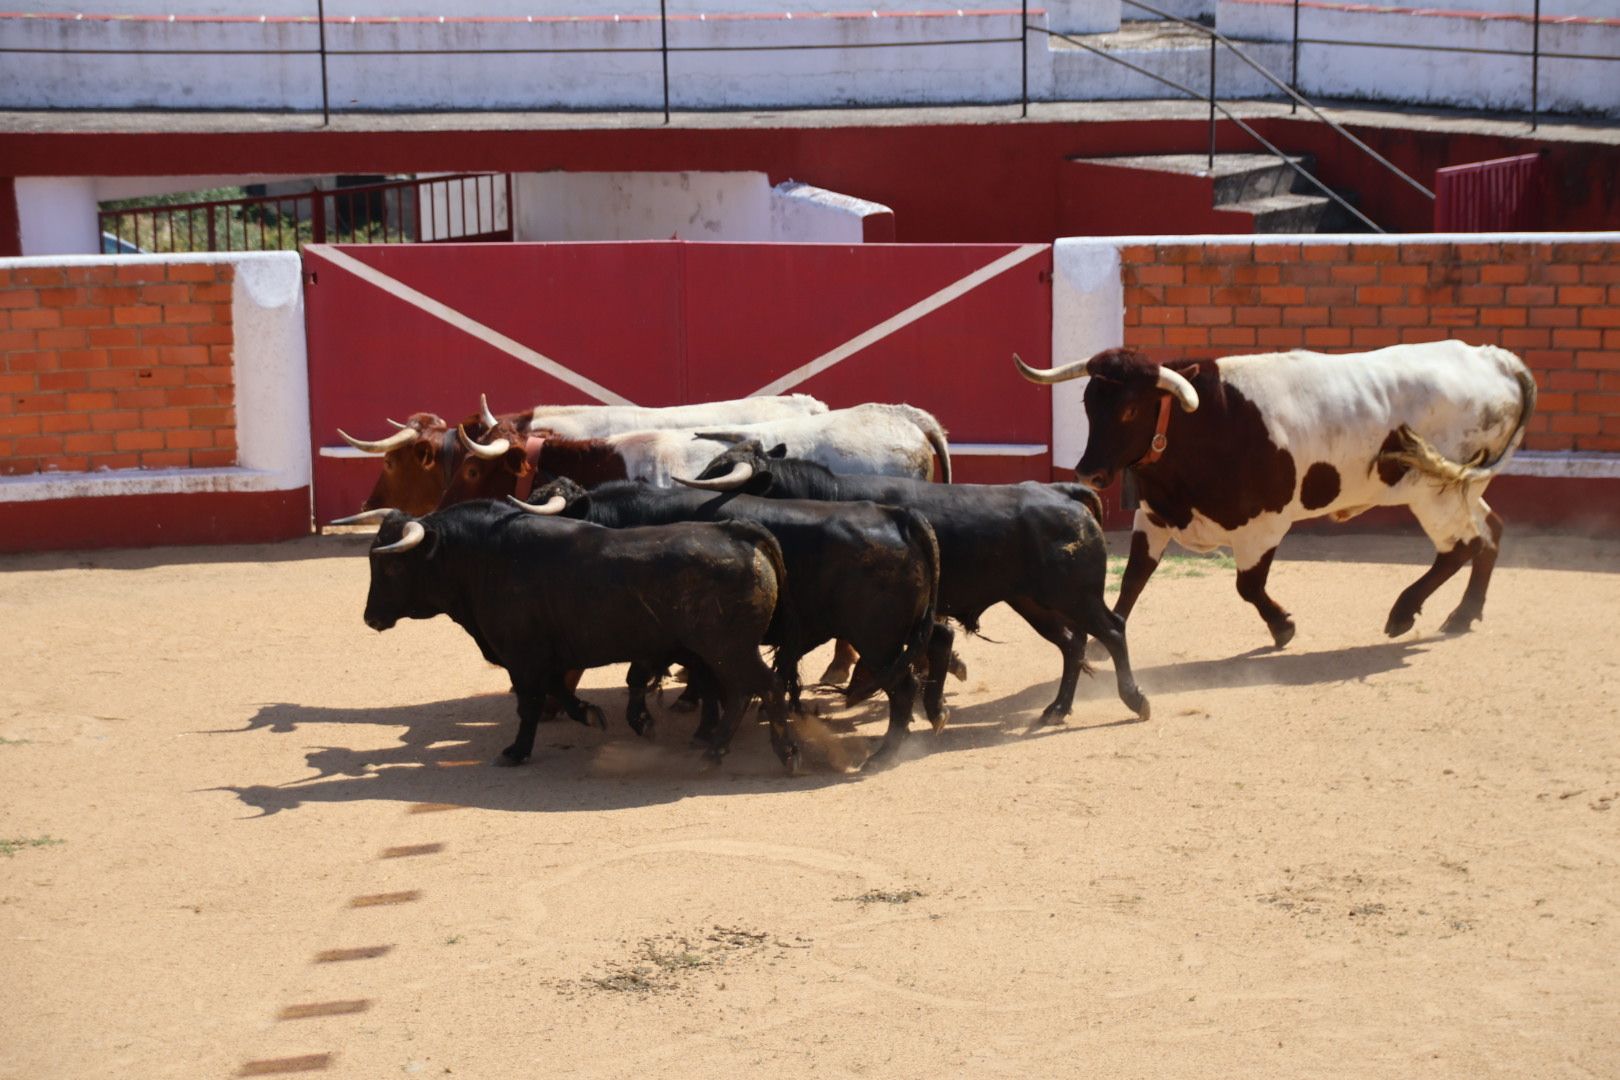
[
  {"x": 1051, "y": 375},
  {"x": 549, "y": 508},
  {"x": 364, "y": 517},
  {"x": 490, "y": 452},
  {"x": 413, "y": 536},
  {"x": 484, "y": 413},
  {"x": 1173, "y": 383},
  {"x": 397, "y": 425},
  {"x": 403, "y": 437},
  {"x": 740, "y": 474}
]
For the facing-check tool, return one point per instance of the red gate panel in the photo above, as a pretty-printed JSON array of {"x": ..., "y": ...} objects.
[{"x": 396, "y": 330}]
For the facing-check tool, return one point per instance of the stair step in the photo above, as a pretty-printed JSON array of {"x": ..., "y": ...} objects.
[
  {"x": 1285, "y": 213},
  {"x": 1236, "y": 176}
]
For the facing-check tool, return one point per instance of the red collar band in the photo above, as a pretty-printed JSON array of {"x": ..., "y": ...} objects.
[{"x": 1159, "y": 444}]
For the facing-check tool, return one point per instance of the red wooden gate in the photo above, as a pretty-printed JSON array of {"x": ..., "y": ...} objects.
[
  {"x": 394, "y": 330},
  {"x": 1501, "y": 195}
]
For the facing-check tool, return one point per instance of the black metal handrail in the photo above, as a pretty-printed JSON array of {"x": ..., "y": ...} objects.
[
  {"x": 1216, "y": 35},
  {"x": 1215, "y": 105}
]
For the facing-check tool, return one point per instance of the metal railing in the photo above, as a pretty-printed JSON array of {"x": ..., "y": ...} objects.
[
  {"x": 325, "y": 54},
  {"x": 462, "y": 208}
]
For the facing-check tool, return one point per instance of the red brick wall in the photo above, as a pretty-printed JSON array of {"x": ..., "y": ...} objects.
[
  {"x": 116, "y": 367},
  {"x": 1557, "y": 305}
]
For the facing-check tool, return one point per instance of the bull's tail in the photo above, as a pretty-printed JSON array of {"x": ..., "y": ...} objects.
[
  {"x": 1420, "y": 455},
  {"x": 1085, "y": 496},
  {"x": 934, "y": 434},
  {"x": 919, "y": 537}
]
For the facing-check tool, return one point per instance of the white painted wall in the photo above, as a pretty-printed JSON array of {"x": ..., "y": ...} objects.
[
  {"x": 681, "y": 205},
  {"x": 929, "y": 73},
  {"x": 1463, "y": 79},
  {"x": 56, "y": 215},
  {"x": 272, "y": 388},
  {"x": 1065, "y": 14}
]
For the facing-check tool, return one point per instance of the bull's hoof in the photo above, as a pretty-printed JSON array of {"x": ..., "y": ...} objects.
[
  {"x": 683, "y": 704},
  {"x": 510, "y": 757},
  {"x": 1141, "y": 707},
  {"x": 716, "y": 754},
  {"x": 643, "y": 725},
  {"x": 938, "y": 718},
  {"x": 1399, "y": 623},
  {"x": 958, "y": 668},
  {"x": 792, "y": 759},
  {"x": 886, "y": 756},
  {"x": 1460, "y": 620},
  {"x": 597, "y": 718},
  {"x": 1282, "y": 632},
  {"x": 1053, "y": 714}
]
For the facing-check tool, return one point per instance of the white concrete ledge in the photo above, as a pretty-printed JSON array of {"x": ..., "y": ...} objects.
[
  {"x": 969, "y": 449},
  {"x": 42, "y": 487},
  {"x": 1570, "y": 465}
]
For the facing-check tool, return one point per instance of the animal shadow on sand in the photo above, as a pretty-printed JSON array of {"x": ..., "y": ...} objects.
[
  {"x": 445, "y": 751},
  {"x": 445, "y": 748}
]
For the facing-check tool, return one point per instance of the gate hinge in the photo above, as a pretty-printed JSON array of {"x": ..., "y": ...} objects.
[{"x": 310, "y": 278}]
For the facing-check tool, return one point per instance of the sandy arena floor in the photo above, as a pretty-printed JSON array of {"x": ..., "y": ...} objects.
[{"x": 1353, "y": 858}]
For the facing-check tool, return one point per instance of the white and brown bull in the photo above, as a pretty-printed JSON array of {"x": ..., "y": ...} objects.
[
  {"x": 1231, "y": 452},
  {"x": 423, "y": 454},
  {"x": 871, "y": 439}
]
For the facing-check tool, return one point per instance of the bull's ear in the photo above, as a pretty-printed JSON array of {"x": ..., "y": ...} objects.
[
  {"x": 426, "y": 455},
  {"x": 516, "y": 461},
  {"x": 777, "y": 451}
]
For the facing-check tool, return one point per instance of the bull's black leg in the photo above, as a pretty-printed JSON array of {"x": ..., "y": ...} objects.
[
  {"x": 1251, "y": 585},
  {"x": 842, "y": 663},
  {"x": 1139, "y": 566},
  {"x": 1059, "y": 630},
  {"x": 940, "y": 658},
  {"x": 689, "y": 696},
  {"x": 638, "y": 680},
  {"x": 902, "y": 699},
  {"x": 531, "y": 703},
  {"x": 1107, "y": 627},
  {"x": 1472, "y": 607},
  {"x": 579, "y": 710},
  {"x": 1410, "y": 603}
]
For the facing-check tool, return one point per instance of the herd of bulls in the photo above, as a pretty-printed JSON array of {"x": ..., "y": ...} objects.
[{"x": 570, "y": 537}]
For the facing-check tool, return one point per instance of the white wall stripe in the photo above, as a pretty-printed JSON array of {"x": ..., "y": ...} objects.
[
  {"x": 898, "y": 322},
  {"x": 516, "y": 349}
]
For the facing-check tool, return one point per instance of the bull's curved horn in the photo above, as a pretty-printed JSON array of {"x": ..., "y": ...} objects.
[
  {"x": 1174, "y": 383},
  {"x": 414, "y": 534},
  {"x": 1046, "y": 376},
  {"x": 403, "y": 437},
  {"x": 549, "y": 508},
  {"x": 483, "y": 411},
  {"x": 397, "y": 425},
  {"x": 488, "y": 453},
  {"x": 740, "y": 474},
  {"x": 364, "y": 517}
]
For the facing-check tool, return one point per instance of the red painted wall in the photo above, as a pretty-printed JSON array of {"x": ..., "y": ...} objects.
[
  {"x": 10, "y": 226},
  {"x": 947, "y": 183}
]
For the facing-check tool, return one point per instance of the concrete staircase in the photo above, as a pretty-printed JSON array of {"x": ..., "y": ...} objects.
[{"x": 1243, "y": 193}]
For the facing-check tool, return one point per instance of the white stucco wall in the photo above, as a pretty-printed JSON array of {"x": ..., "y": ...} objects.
[
  {"x": 1473, "y": 80},
  {"x": 681, "y": 205},
  {"x": 447, "y": 74},
  {"x": 272, "y": 388}
]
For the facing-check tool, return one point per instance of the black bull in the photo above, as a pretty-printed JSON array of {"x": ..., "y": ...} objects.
[
  {"x": 541, "y": 597},
  {"x": 1037, "y": 547},
  {"x": 866, "y": 574}
]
